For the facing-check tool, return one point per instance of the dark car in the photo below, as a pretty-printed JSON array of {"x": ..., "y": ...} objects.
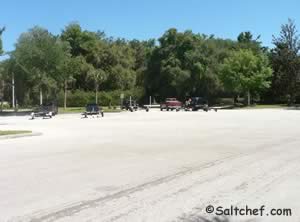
[
  {"x": 130, "y": 105},
  {"x": 46, "y": 111},
  {"x": 93, "y": 110},
  {"x": 196, "y": 103}
]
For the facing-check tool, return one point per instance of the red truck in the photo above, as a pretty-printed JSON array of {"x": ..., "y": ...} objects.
[{"x": 171, "y": 104}]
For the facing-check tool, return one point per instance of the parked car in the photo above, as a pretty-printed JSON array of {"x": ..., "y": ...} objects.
[
  {"x": 196, "y": 103},
  {"x": 171, "y": 104},
  {"x": 46, "y": 111},
  {"x": 93, "y": 110}
]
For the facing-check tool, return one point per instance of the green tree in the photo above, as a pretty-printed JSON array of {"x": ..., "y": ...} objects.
[
  {"x": 186, "y": 64},
  {"x": 96, "y": 61},
  {"x": 245, "y": 72},
  {"x": 39, "y": 54},
  {"x": 108, "y": 63},
  {"x": 69, "y": 68},
  {"x": 142, "y": 51},
  {"x": 121, "y": 69},
  {"x": 286, "y": 62},
  {"x": 74, "y": 35},
  {"x": 246, "y": 40},
  {"x": 98, "y": 76}
]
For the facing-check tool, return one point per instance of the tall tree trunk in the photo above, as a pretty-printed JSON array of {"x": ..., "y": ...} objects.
[
  {"x": 41, "y": 96},
  {"x": 249, "y": 97},
  {"x": 65, "y": 94},
  {"x": 96, "y": 92}
]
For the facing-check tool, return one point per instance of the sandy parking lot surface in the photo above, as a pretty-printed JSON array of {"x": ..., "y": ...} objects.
[{"x": 156, "y": 166}]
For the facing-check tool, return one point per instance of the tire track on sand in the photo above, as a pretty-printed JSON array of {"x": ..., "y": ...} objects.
[{"x": 70, "y": 209}]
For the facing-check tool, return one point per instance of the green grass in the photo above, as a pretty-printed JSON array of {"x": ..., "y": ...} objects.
[
  {"x": 71, "y": 110},
  {"x": 61, "y": 110},
  {"x": 13, "y": 132}
]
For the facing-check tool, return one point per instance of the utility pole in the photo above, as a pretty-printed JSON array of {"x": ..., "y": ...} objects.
[
  {"x": 1, "y": 94},
  {"x": 13, "y": 90}
]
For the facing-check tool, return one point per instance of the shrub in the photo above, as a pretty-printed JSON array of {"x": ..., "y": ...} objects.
[
  {"x": 76, "y": 98},
  {"x": 5, "y": 105},
  {"x": 79, "y": 98}
]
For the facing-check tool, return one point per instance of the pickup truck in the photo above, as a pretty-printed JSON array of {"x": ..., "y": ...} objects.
[
  {"x": 171, "y": 104},
  {"x": 93, "y": 110},
  {"x": 46, "y": 111}
]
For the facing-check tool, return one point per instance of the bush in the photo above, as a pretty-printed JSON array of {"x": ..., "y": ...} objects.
[
  {"x": 76, "y": 98},
  {"x": 79, "y": 98},
  {"x": 5, "y": 105}
]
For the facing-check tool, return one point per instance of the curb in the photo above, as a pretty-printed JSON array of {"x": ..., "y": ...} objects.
[{"x": 20, "y": 136}]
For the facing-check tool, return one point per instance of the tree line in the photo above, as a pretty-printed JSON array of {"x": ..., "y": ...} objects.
[{"x": 79, "y": 63}]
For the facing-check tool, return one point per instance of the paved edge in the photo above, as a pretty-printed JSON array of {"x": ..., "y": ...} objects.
[{"x": 20, "y": 135}]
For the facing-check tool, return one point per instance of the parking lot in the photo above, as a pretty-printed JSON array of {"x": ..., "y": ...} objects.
[{"x": 150, "y": 166}]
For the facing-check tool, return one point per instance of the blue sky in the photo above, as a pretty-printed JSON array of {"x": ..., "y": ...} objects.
[{"x": 149, "y": 19}]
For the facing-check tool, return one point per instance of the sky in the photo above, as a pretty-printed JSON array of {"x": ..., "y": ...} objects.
[{"x": 141, "y": 19}]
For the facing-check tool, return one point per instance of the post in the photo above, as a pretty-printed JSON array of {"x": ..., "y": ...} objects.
[
  {"x": 121, "y": 100},
  {"x": 65, "y": 94},
  {"x": 41, "y": 96},
  {"x": 96, "y": 96},
  {"x": 150, "y": 103},
  {"x": 249, "y": 99},
  {"x": 96, "y": 91},
  {"x": 2, "y": 95},
  {"x": 130, "y": 101},
  {"x": 13, "y": 90}
]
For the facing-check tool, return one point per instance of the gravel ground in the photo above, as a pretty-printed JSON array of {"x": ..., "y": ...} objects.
[{"x": 156, "y": 166}]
